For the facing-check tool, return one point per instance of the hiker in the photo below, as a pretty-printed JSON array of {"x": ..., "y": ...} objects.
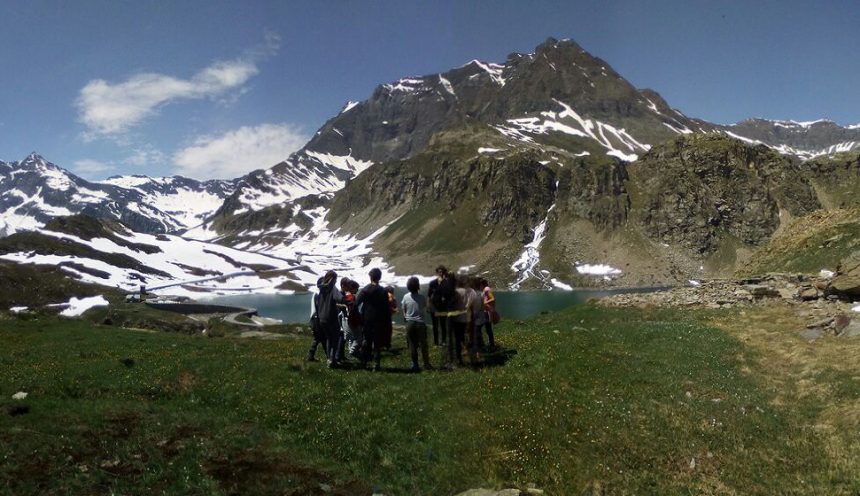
[
  {"x": 385, "y": 342},
  {"x": 443, "y": 297},
  {"x": 471, "y": 305},
  {"x": 353, "y": 321},
  {"x": 456, "y": 320},
  {"x": 317, "y": 331},
  {"x": 414, "y": 305},
  {"x": 375, "y": 313},
  {"x": 479, "y": 314},
  {"x": 434, "y": 319},
  {"x": 347, "y": 309},
  {"x": 490, "y": 313},
  {"x": 327, "y": 312}
]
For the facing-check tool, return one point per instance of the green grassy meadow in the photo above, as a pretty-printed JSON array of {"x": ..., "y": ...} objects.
[{"x": 586, "y": 401}]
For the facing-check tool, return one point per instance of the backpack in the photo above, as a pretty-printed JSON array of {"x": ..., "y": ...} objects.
[
  {"x": 316, "y": 328},
  {"x": 495, "y": 318}
]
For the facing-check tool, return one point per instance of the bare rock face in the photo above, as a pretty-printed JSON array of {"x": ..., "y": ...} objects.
[{"x": 699, "y": 190}]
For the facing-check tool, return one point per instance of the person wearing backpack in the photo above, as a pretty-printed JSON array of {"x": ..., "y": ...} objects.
[
  {"x": 376, "y": 315},
  {"x": 442, "y": 299},
  {"x": 329, "y": 298},
  {"x": 434, "y": 319}
]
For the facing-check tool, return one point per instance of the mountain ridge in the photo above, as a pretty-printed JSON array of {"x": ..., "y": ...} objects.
[{"x": 535, "y": 171}]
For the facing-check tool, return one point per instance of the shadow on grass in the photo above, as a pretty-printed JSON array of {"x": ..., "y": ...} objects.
[{"x": 486, "y": 359}]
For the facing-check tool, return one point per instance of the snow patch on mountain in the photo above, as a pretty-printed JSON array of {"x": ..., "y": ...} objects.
[
  {"x": 349, "y": 106},
  {"x": 175, "y": 261},
  {"x": 846, "y": 146},
  {"x": 618, "y": 142},
  {"x": 321, "y": 248},
  {"x": 529, "y": 259},
  {"x": 447, "y": 85},
  {"x": 494, "y": 70},
  {"x": 406, "y": 85}
]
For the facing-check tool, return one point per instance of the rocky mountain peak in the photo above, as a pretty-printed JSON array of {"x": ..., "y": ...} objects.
[{"x": 34, "y": 161}]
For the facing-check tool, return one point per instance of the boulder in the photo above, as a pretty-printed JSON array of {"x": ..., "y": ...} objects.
[
  {"x": 840, "y": 322},
  {"x": 812, "y": 334},
  {"x": 851, "y": 330},
  {"x": 759, "y": 291},
  {"x": 808, "y": 294},
  {"x": 787, "y": 293},
  {"x": 846, "y": 284},
  {"x": 821, "y": 323}
]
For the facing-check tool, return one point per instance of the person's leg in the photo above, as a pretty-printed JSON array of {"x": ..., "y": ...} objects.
[
  {"x": 459, "y": 336},
  {"x": 312, "y": 351},
  {"x": 358, "y": 341},
  {"x": 342, "y": 340},
  {"x": 435, "y": 321},
  {"x": 378, "y": 337},
  {"x": 367, "y": 345},
  {"x": 422, "y": 342},
  {"x": 333, "y": 342},
  {"x": 412, "y": 341},
  {"x": 450, "y": 326},
  {"x": 443, "y": 329},
  {"x": 471, "y": 328},
  {"x": 490, "y": 336}
]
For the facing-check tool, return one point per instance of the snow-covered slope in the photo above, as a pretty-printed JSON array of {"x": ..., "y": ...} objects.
[
  {"x": 34, "y": 191},
  {"x": 97, "y": 252},
  {"x": 188, "y": 202},
  {"x": 805, "y": 140}
]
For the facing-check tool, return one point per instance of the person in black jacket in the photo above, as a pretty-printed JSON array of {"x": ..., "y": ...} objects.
[
  {"x": 444, "y": 298},
  {"x": 328, "y": 313},
  {"x": 376, "y": 314},
  {"x": 431, "y": 290}
]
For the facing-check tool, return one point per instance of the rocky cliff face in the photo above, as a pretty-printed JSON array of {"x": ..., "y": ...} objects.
[
  {"x": 835, "y": 178},
  {"x": 696, "y": 190},
  {"x": 595, "y": 190}
]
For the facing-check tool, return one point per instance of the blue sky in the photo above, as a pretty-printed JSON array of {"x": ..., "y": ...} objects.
[{"x": 215, "y": 89}]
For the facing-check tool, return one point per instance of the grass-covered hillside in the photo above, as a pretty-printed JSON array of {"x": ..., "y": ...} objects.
[
  {"x": 825, "y": 239},
  {"x": 586, "y": 401}
]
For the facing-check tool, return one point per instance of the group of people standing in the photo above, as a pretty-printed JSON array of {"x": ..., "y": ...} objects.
[{"x": 352, "y": 322}]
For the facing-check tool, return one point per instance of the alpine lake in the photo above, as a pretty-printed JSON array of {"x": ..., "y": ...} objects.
[{"x": 296, "y": 307}]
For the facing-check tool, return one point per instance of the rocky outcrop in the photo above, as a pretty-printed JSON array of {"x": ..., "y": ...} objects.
[
  {"x": 836, "y": 178},
  {"x": 595, "y": 189},
  {"x": 846, "y": 281},
  {"x": 698, "y": 190},
  {"x": 511, "y": 194},
  {"x": 723, "y": 293}
]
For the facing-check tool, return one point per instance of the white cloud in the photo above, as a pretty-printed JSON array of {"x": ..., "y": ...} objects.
[
  {"x": 113, "y": 108},
  {"x": 146, "y": 155},
  {"x": 89, "y": 166},
  {"x": 239, "y": 151}
]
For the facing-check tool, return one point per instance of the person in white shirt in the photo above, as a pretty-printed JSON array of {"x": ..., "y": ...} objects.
[{"x": 414, "y": 304}]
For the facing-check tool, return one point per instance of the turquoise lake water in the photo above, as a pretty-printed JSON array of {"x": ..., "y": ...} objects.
[{"x": 511, "y": 304}]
